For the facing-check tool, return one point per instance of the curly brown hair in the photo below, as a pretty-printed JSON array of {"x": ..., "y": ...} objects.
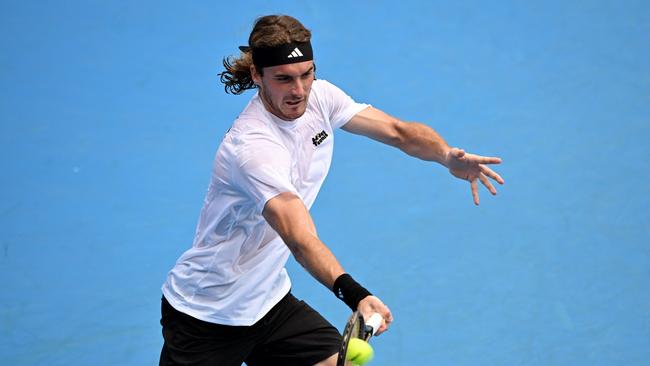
[{"x": 268, "y": 31}]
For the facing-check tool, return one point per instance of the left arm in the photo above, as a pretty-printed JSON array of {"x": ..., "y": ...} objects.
[
  {"x": 415, "y": 139},
  {"x": 423, "y": 142}
]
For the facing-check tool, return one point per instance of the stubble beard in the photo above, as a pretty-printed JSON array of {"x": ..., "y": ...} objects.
[{"x": 277, "y": 110}]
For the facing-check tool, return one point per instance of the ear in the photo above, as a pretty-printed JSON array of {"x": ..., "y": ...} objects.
[{"x": 257, "y": 78}]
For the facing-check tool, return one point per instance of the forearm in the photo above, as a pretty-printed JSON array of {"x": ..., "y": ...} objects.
[
  {"x": 289, "y": 217},
  {"x": 421, "y": 141},
  {"x": 316, "y": 258}
]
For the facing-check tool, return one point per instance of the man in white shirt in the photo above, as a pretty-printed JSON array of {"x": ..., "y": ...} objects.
[{"x": 227, "y": 300}]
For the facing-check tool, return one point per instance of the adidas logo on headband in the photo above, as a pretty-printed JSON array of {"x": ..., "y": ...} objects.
[
  {"x": 284, "y": 54},
  {"x": 295, "y": 53}
]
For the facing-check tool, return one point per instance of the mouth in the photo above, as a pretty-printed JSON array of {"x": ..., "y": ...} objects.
[{"x": 294, "y": 103}]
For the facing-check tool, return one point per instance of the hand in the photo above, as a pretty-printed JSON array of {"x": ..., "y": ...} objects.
[
  {"x": 471, "y": 168},
  {"x": 370, "y": 305}
]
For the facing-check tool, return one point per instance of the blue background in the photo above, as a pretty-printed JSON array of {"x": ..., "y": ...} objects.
[{"x": 110, "y": 113}]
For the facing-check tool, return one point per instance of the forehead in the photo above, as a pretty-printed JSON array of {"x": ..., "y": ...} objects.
[{"x": 296, "y": 69}]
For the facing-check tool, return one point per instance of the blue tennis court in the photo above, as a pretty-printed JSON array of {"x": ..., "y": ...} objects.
[{"x": 110, "y": 114}]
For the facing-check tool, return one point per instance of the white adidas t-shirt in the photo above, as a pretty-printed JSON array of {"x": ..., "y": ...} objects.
[{"x": 234, "y": 273}]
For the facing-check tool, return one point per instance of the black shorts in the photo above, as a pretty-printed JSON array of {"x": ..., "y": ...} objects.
[{"x": 292, "y": 333}]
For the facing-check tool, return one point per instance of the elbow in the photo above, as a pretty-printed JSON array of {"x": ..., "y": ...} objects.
[
  {"x": 397, "y": 135},
  {"x": 296, "y": 246},
  {"x": 299, "y": 252},
  {"x": 293, "y": 246}
]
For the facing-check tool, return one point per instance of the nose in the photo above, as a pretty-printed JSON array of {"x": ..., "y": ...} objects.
[{"x": 298, "y": 87}]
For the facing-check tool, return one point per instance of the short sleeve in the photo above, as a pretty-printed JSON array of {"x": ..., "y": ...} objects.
[
  {"x": 339, "y": 106},
  {"x": 263, "y": 169}
]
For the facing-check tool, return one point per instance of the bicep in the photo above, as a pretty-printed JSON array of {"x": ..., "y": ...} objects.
[
  {"x": 288, "y": 216},
  {"x": 377, "y": 125}
]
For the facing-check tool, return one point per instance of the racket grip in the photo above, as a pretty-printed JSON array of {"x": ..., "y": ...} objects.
[{"x": 375, "y": 322}]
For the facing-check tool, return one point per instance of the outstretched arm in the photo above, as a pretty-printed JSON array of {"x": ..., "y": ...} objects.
[{"x": 423, "y": 142}]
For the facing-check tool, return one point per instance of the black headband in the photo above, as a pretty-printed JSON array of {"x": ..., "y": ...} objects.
[{"x": 281, "y": 55}]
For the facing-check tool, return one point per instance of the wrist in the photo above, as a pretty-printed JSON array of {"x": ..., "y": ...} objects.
[
  {"x": 445, "y": 155},
  {"x": 349, "y": 291}
]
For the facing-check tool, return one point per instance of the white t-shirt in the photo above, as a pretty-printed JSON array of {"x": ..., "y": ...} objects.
[{"x": 234, "y": 273}]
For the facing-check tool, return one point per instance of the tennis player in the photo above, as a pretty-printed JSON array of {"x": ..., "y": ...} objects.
[{"x": 227, "y": 301}]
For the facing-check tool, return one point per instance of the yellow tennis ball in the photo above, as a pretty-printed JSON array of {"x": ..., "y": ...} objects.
[{"x": 359, "y": 352}]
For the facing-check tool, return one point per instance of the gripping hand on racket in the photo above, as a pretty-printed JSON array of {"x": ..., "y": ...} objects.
[
  {"x": 472, "y": 168},
  {"x": 370, "y": 305}
]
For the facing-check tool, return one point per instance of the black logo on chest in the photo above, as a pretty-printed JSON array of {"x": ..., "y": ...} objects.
[{"x": 319, "y": 138}]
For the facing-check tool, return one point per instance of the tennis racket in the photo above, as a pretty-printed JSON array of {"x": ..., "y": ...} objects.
[{"x": 357, "y": 328}]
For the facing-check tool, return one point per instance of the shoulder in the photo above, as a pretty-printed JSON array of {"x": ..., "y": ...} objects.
[
  {"x": 252, "y": 118},
  {"x": 253, "y": 126},
  {"x": 256, "y": 145},
  {"x": 329, "y": 93},
  {"x": 324, "y": 86},
  {"x": 253, "y": 140}
]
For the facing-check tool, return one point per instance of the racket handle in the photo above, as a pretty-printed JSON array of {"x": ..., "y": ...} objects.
[{"x": 375, "y": 322}]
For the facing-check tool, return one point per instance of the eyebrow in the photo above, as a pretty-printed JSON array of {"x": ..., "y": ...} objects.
[{"x": 311, "y": 69}]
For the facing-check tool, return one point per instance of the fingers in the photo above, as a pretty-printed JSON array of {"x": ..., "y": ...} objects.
[
  {"x": 472, "y": 167},
  {"x": 483, "y": 177},
  {"x": 370, "y": 305},
  {"x": 387, "y": 317},
  {"x": 486, "y": 182},
  {"x": 474, "y": 187},
  {"x": 490, "y": 173},
  {"x": 473, "y": 158},
  {"x": 482, "y": 159}
]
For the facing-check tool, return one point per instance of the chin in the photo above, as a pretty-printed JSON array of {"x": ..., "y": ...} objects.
[{"x": 294, "y": 115}]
